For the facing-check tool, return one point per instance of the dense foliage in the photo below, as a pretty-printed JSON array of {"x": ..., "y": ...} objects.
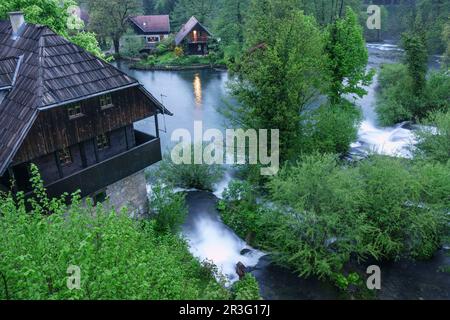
[
  {"x": 55, "y": 15},
  {"x": 247, "y": 289},
  {"x": 434, "y": 138},
  {"x": 109, "y": 18},
  {"x": 188, "y": 176},
  {"x": 330, "y": 129},
  {"x": 348, "y": 57},
  {"x": 284, "y": 47},
  {"x": 119, "y": 258},
  {"x": 397, "y": 98},
  {"x": 326, "y": 214}
]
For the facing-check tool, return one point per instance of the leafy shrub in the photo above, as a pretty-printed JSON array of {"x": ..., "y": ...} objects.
[
  {"x": 247, "y": 289},
  {"x": 434, "y": 138},
  {"x": 331, "y": 129},
  {"x": 318, "y": 226},
  {"x": 119, "y": 258},
  {"x": 398, "y": 102},
  {"x": 168, "y": 209},
  {"x": 132, "y": 46},
  {"x": 395, "y": 95},
  {"x": 325, "y": 214},
  {"x": 179, "y": 52},
  {"x": 189, "y": 176},
  {"x": 88, "y": 41},
  {"x": 239, "y": 210}
]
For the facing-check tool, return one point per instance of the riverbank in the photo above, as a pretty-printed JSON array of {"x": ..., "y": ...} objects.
[
  {"x": 172, "y": 62},
  {"x": 137, "y": 66}
]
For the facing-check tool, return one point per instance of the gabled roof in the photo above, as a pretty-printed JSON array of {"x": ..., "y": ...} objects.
[
  {"x": 48, "y": 71},
  {"x": 152, "y": 24},
  {"x": 187, "y": 28}
]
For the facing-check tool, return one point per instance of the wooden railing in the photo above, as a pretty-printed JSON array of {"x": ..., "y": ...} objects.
[{"x": 99, "y": 176}]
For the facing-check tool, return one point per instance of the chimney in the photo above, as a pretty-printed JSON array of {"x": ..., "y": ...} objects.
[{"x": 17, "y": 22}]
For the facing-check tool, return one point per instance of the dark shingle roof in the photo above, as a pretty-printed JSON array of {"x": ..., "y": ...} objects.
[
  {"x": 7, "y": 71},
  {"x": 48, "y": 71},
  {"x": 152, "y": 24},
  {"x": 187, "y": 28}
]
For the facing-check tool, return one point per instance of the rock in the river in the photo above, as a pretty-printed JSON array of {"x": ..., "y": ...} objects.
[
  {"x": 245, "y": 251},
  {"x": 241, "y": 270}
]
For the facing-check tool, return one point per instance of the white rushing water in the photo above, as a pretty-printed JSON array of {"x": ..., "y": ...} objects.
[
  {"x": 210, "y": 240},
  {"x": 395, "y": 141}
]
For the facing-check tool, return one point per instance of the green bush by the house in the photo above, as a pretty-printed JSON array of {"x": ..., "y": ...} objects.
[{"x": 118, "y": 257}]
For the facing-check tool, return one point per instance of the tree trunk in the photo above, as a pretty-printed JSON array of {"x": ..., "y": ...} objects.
[{"x": 116, "y": 42}]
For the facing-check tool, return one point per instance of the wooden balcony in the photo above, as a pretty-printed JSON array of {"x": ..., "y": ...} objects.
[
  {"x": 97, "y": 177},
  {"x": 198, "y": 39}
]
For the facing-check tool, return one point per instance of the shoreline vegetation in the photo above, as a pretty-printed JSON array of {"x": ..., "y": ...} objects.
[{"x": 171, "y": 62}]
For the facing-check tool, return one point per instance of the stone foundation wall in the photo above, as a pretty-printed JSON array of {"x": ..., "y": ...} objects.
[{"x": 130, "y": 192}]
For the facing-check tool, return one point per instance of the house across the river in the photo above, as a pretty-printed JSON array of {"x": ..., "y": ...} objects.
[
  {"x": 193, "y": 37},
  {"x": 72, "y": 115},
  {"x": 152, "y": 29}
]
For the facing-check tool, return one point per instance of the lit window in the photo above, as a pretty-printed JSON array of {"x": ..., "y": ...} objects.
[
  {"x": 153, "y": 39},
  {"x": 106, "y": 101},
  {"x": 65, "y": 157},
  {"x": 74, "y": 111},
  {"x": 103, "y": 142}
]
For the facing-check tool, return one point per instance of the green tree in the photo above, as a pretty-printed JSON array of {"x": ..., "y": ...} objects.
[
  {"x": 119, "y": 257},
  {"x": 203, "y": 10},
  {"x": 326, "y": 11},
  {"x": 109, "y": 18},
  {"x": 348, "y": 57},
  {"x": 88, "y": 41},
  {"x": 446, "y": 38},
  {"x": 280, "y": 73},
  {"x": 50, "y": 13},
  {"x": 416, "y": 59},
  {"x": 53, "y": 14},
  {"x": 434, "y": 138},
  {"x": 165, "y": 6},
  {"x": 230, "y": 21}
]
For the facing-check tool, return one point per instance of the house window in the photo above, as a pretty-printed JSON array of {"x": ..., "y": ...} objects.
[
  {"x": 74, "y": 111},
  {"x": 103, "y": 142},
  {"x": 153, "y": 39},
  {"x": 65, "y": 157},
  {"x": 106, "y": 101}
]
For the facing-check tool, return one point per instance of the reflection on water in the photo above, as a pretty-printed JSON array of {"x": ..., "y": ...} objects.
[
  {"x": 190, "y": 95},
  {"x": 198, "y": 90}
]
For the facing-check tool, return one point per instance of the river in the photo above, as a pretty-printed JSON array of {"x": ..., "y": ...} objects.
[{"x": 196, "y": 96}]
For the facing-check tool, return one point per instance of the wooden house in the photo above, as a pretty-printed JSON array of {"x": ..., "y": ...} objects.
[
  {"x": 71, "y": 114},
  {"x": 193, "y": 37},
  {"x": 152, "y": 29}
]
